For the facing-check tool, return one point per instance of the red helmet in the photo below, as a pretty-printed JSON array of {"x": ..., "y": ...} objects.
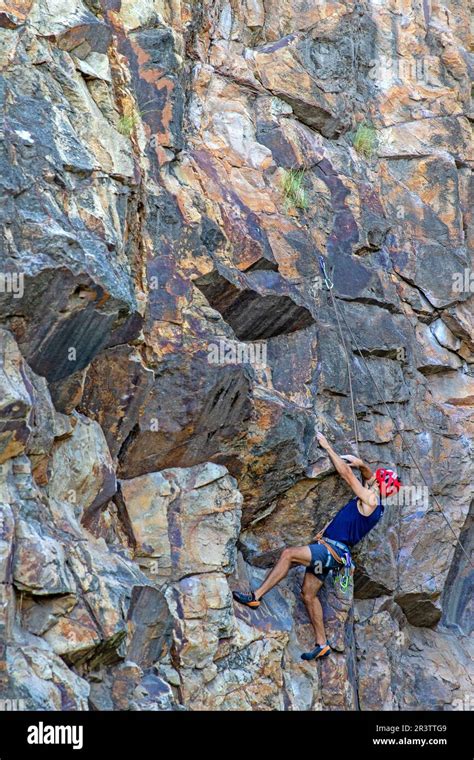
[{"x": 388, "y": 481}]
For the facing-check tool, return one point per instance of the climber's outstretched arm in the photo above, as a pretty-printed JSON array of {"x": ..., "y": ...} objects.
[{"x": 344, "y": 470}]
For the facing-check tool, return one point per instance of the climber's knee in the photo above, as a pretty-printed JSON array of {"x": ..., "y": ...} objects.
[
  {"x": 311, "y": 586},
  {"x": 301, "y": 555}
]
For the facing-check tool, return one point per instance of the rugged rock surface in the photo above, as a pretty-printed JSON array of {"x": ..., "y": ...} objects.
[{"x": 170, "y": 174}]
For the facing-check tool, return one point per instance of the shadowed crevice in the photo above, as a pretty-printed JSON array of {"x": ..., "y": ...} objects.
[{"x": 253, "y": 316}]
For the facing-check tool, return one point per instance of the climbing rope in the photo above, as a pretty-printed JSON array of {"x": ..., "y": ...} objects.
[
  {"x": 329, "y": 284},
  {"x": 395, "y": 423}
]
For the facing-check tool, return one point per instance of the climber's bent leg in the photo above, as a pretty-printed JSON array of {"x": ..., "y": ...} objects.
[
  {"x": 313, "y": 581},
  {"x": 299, "y": 555},
  {"x": 311, "y": 586}
]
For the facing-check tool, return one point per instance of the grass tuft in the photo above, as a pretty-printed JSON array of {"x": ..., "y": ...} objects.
[
  {"x": 293, "y": 190},
  {"x": 126, "y": 124},
  {"x": 365, "y": 140}
]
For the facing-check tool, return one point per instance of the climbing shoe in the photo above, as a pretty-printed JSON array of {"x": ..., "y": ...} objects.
[
  {"x": 317, "y": 653},
  {"x": 248, "y": 599}
]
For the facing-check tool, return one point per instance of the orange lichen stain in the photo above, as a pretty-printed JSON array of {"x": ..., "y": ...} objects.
[
  {"x": 454, "y": 61},
  {"x": 18, "y": 8},
  {"x": 186, "y": 13},
  {"x": 383, "y": 428},
  {"x": 186, "y": 208},
  {"x": 78, "y": 632},
  {"x": 142, "y": 56},
  {"x": 104, "y": 299},
  {"x": 466, "y": 401},
  {"x": 160, "y": 153},
  {"x": 167, "y": 112},
  {"x": 93, "y": 223},
  {"x": 40, "y": 471},
  {"x": 13, "y": 448},
  {"x": 152, "y": 76}
]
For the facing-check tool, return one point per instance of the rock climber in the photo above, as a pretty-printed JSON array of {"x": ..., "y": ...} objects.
[{"x": 332, "y": 545}]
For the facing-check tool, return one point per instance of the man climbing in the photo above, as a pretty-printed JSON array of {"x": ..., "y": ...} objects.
[{"x": 333, "y": 543}]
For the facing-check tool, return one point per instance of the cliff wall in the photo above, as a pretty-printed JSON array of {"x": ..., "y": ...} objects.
[{"x": 170, "y": 173}]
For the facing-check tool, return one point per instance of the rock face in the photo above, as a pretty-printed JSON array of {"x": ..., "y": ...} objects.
[{"x": 171, "y": 173}]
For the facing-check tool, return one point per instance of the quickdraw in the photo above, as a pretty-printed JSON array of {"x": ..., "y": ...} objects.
[
  {"x": 344, "y": 575},
  {"x": 327, "y": 280}
]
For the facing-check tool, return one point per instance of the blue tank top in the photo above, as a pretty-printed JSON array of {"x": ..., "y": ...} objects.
[{"x": 349, "y": 526}]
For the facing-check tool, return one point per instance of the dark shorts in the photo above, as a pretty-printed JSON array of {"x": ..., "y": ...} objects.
[{"x": 319, "y": 554}]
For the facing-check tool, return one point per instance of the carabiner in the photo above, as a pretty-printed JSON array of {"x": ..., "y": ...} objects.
[{"x": 327, "y": 280}]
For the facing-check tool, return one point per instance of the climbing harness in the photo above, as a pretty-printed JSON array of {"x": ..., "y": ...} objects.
[
  {"x": 330, "y": 285},
  {"x": 344, "y": 573}
]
